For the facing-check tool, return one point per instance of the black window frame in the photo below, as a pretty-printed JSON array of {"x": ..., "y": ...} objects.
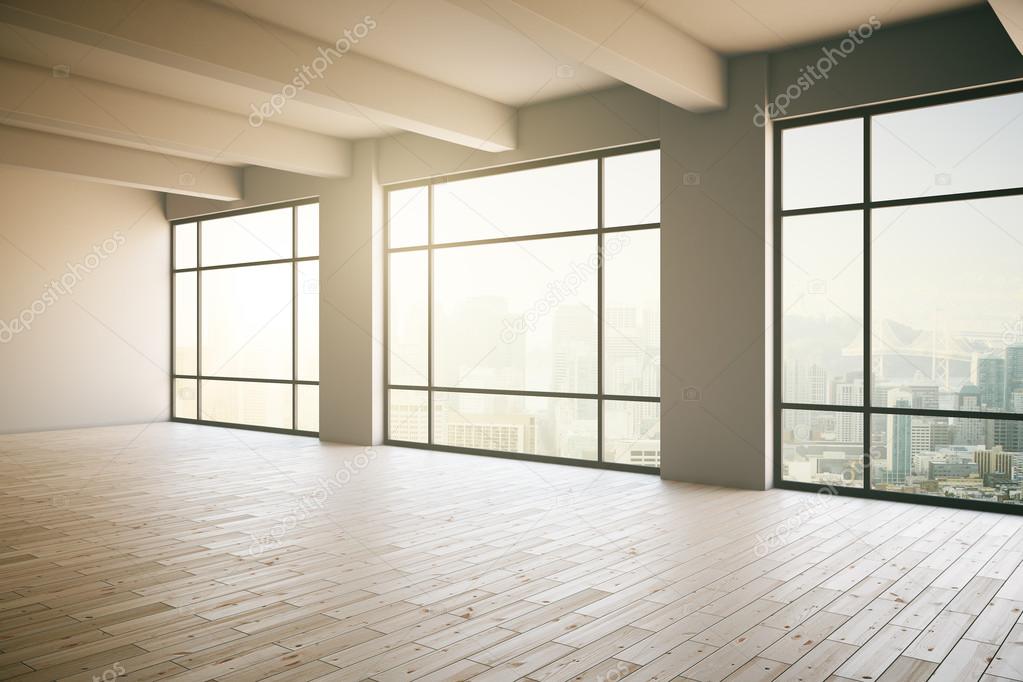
[
  {"x": 199, "y": 268},
  {"x": 865, "y": 207},
  {"x": 600, "y": 397}
]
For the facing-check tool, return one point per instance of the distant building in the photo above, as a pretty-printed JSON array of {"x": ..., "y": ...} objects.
[
  {"x": 900, "y": 438},
  {"x": 991, "y": 383},
  {"x": 994, "y": 460},
  {"x": 1013, "y": 369},
  {"x": 939, "y": 470}
]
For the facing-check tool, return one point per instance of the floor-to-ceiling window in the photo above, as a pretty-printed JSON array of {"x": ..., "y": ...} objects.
[
  {"x": 246, "y": 318},
  {"x": 899, "y": 299},
  {"x": 524, "y": 310}
]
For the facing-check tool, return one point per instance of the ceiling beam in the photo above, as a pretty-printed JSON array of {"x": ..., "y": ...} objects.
[
  {"x": 122, "y": 166},
  {"x": 278, "y": 74},
  {"x": 622, "y": 40},
  {"x": 1010, "y": 13},
  {"x": 94, "y": 110}
]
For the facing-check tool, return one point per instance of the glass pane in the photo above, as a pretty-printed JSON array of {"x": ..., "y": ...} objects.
[
  {"x": 961, "y": 147},
  {"x": 948, "y": 301},
  {"x": 185, "y": 246},
  {"x": 265, "y": 235},
  {"x": 408, "y": 318},
  {"x": 247, "y": 402},
  {"x": 632, "y": 432},
  {"x": 308, "y": 230},
  {"x": 408, "y": 215},
  {"x": 246, "y": 322},
  {"x": 556, "y": 427},
  {"x": 822, "y": 165},
  {"x": 308, "y": 313},
  {"x": 548, "y": 199},
  {"x": 408, "y": 416},
  {"x": 184, "y": 398},
  {"x": 517, "y": 316},
  {"x": 975, "y": 459},
  {"x": 632, "y": 189},
  {"x": 185, "y": 319},
  {"x": 824, "y": 448},
  {"x": 308, "y": 407},
  {"x": 632, "y": 313},
  {"x": 822, "y": 309}
]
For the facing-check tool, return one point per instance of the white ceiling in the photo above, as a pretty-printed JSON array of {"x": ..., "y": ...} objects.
[
  {"x": 181, "y": 79},
  {"x": 439, "y": 40},
  {"x": 740, "y": 26}
]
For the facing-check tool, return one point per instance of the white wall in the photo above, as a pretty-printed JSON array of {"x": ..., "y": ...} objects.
[{"x": 94, "y": 348}]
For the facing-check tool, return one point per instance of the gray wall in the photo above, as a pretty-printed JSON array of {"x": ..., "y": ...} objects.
[
  {"x": 714, "y": 288},
  {"x": 956, "y": 50},
  {"x": 95, "y": 346}
]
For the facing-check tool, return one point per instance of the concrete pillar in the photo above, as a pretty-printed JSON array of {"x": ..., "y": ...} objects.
[
  {"x": 715, "y": 288},
  {"x": 351, "y": 304}
]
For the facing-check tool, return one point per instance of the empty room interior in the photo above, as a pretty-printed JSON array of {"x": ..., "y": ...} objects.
[{"x": 540, "y": 340}]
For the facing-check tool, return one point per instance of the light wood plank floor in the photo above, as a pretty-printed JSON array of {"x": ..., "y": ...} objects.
[{"x": 189, "y": 553}]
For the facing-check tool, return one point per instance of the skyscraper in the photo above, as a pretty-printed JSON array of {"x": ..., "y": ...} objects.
[
  {"x": 991, "y": 382},
  {"x": 924, "y": 397},
  {"x": 900, "y": 438},
  {"x": 970, "y": 431},
  {"x": 1013, "y": 369},
  {"x": 849, "y": 425}
]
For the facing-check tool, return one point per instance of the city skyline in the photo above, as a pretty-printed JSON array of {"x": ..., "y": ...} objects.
[{"x": 972, "y": 458}]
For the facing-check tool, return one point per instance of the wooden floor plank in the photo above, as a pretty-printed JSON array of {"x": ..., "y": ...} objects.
[{"x": 189, "y": 553}]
